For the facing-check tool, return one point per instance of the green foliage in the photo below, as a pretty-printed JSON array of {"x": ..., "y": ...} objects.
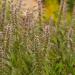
[
  {"x": 35, "y": 49},
  {"x": 70, "y": 5}
]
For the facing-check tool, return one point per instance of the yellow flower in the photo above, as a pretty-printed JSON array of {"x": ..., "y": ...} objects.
[{"x": 51, "y": 9}]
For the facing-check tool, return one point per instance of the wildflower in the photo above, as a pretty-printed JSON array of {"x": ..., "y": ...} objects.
[
  {"x": 47, "y": 29},
  {"x": 1, "y": 35}
]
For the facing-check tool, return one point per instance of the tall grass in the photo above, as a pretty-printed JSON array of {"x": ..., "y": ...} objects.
[{"x": 32, "y": 47}]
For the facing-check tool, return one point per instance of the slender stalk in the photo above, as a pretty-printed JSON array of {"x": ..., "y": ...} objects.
[
  {"x": 2, "y": 50},
  {"x": 40, "y": 11},
  {"x": 60, "y": 12}
]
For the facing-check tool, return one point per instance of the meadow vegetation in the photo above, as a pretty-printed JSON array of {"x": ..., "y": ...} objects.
[{"x": 44, "y": 45}]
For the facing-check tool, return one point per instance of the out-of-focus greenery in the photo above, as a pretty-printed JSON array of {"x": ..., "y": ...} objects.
[
  {"x": 51, "y": 8},
  {"x": 70, "y": 5},
  {"x": 34, "y": 49}
]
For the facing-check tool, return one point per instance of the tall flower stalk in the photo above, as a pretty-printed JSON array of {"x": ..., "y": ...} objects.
[{"x": 3, "y": 18}]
